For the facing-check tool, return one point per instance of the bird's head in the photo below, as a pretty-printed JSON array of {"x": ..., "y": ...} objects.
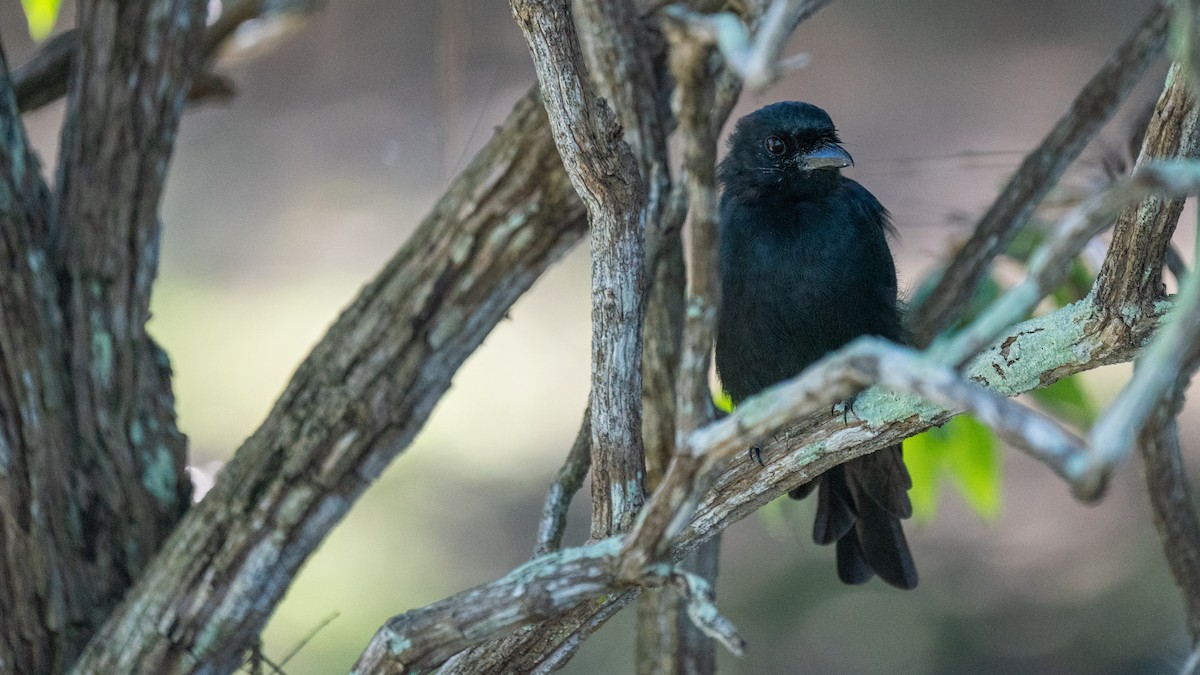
[{"x": 788, "y": 148}]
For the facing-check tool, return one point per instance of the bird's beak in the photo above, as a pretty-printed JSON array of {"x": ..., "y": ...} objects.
[{"x": 826, "y": 156}]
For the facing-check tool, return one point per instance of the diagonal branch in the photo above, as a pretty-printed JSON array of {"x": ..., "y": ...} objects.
[
  {"x": 567, "y": 481},
  {"x": 1050, "y": 263},
  {"x": 1154, "y": 380},
  {"x": 1092, "y": 107},
  {"x": 43, "y": 79},
  {"x": 1131, "y": 272},
  {"x": 808, "y": 448},
  {"x": 605, "y": 174},
  {"x": 353, "y": 405},
  {"x": 1174, "y": 510}
]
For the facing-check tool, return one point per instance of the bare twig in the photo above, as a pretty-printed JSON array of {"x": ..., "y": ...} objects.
[
  {"x": 567, "y": 482},
  {"x": 1175, "y": 264},
  {"x": 604, "y": 172},
  {"x": 1092, "y": 107},
  {"x": 700, "y": 599},
  {"x": 1174, "y": 513},
  {"x": 43, "y": 79},
  {"x": 756, "y": 61},
  {"x": 1049, "y": 264},
  {"x": 662, "y": 335}
]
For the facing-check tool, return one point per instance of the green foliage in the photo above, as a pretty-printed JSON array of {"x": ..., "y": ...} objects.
[
  {"x": 964, "y": 452},
  {"x": 41, "y": 15}
]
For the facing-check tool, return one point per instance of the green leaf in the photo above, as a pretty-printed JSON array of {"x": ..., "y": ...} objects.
[
  {"x": 41, "y": 15},
  {"x": 1069, "y": 400},
  {"x": 974, "y": 466},
  {"x": 962, "y": 450},
  {"x": 722, "y": 401},
  {"x": 925, "y": 465}
]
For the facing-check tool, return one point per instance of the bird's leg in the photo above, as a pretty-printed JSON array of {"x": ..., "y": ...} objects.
[
  {"x": 846, "y": 408},
  {"x": 756, "y": 454},
  {"x": 843, "y": 407}
]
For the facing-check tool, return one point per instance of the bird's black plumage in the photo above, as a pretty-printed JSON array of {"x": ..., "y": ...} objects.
[{"x": 805, "y": 269}]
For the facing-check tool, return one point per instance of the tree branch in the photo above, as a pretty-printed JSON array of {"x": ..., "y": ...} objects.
[
  {"x": 1049, "y": 264},
  {"x": 1092, "y": 107},
  {"x": 808, "y": 448},
  {"x": 1131, "y": 273},
  {"x": 605, "y": 174},
  {"x": 1172, "y": 504},
  {"x": 690, "y": 66},
  {"x": 43, "y": 79},
  {"x": 353, "y": 405},
  {"x": 44, "y": 594},
  {"x": 1155, "y": 378},
  {"x": 756, "y": 61},
  {"x": 567, "y": 481},
  {"x": 133, "y": 64}
]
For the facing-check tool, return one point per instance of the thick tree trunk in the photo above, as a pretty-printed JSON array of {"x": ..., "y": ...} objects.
[{"x": 95, "y": 478}]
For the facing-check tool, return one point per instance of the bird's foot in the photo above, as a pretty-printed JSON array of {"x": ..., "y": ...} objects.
[
  {"x": 846, "y": 408},
  {"x": 756, "y": 454}
]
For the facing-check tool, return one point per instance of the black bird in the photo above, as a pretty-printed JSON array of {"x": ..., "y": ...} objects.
[{"x": 805, "y": 269}]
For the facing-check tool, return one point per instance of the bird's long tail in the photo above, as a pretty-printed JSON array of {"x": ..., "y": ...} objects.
[{"x": 860, "y": 505}]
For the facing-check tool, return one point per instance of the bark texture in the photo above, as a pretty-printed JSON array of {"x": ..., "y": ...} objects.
[
  {"x": 98, "y": 480},
  {"x": 353, "y": 405}
]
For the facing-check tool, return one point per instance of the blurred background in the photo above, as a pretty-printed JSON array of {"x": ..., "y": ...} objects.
[{"x": 283, "y": 201}]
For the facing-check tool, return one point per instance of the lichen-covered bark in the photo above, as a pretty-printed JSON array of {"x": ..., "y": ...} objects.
[
  {"x": 40, "y": 590},
  {"x": 1029, "y": 356},
  {"x": 1142, "y": 235},
  {"x": 355, "y": 402},
  {"x": 605, "y": 173},
  {"x": 94, "y": 465}
]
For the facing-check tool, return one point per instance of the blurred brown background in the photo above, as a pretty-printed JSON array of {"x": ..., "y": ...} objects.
[{"x": 284, "y": 201}]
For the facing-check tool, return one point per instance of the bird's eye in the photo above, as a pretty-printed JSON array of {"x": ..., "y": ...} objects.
[{"x": 775, "y": 145}]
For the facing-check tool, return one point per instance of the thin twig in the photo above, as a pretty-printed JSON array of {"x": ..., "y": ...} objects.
[
  {"x": 43, "y": 79},
  {"x": 1174, "y": 513},
  {"x": 567, "y": 482},
  {"x": 308, "y": 638},
  {"x": 1092, "y": 107},
  {"x": 757, "y": 61},
  {"x": 1175, "y": 264}
]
